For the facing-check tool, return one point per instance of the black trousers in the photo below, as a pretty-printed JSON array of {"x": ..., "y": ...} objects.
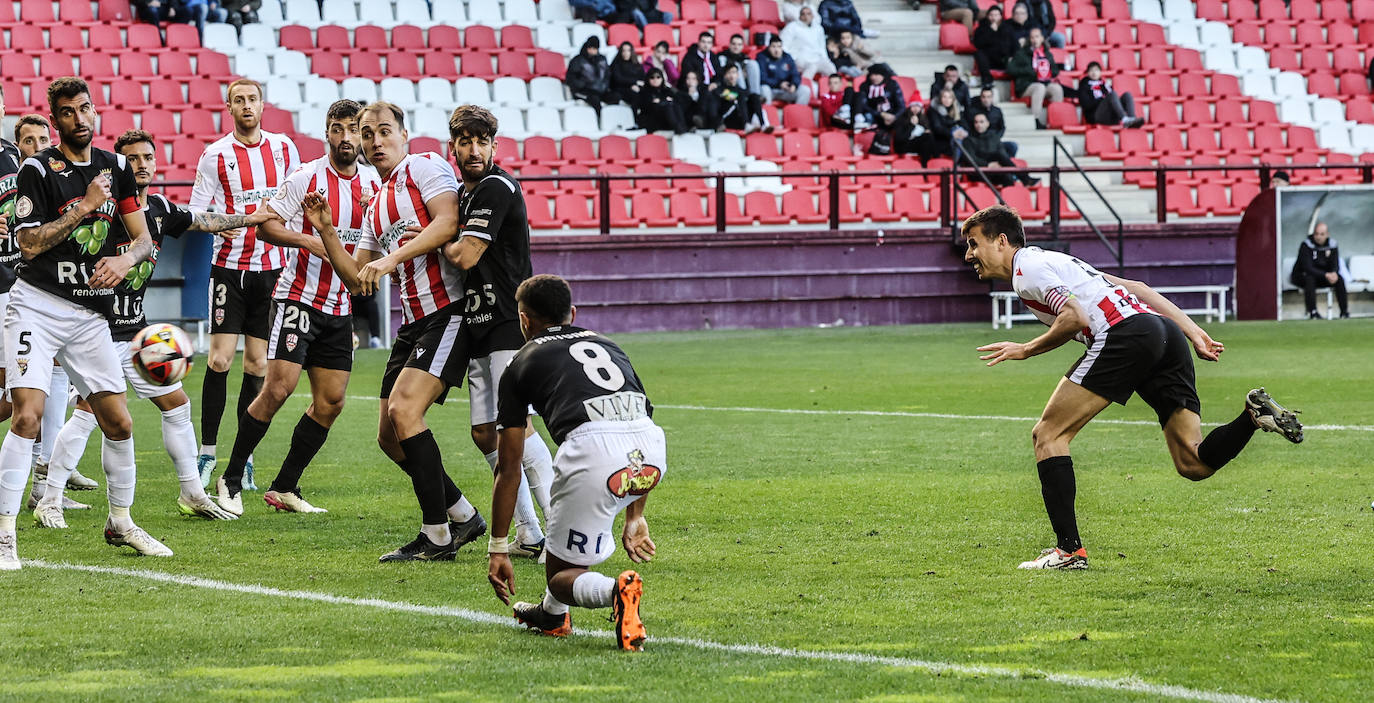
[
  {"x": 661, "y": 116},
  {"x": 1310, "y": 284},
  {"x": 1113, "y": 108}
]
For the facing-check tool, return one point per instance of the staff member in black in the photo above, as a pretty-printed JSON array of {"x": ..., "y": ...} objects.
[{"x": 1319, "y": 266}]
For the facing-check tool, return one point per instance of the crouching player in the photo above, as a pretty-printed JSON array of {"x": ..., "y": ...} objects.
[{"x": 611, "y": 454}]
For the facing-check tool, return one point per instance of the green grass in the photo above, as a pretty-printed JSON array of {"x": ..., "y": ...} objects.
[{"x": 884, "y": 535}]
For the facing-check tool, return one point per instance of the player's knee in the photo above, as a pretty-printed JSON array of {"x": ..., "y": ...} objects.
[
  {"x": 271, "y": 398},
  {"x": 119, "y": 427},
  {"x": 219, "y": 363},
  {"x": 403, "y": 417},
  {"x": 25, "y": 422},
  {"x": 327, "y": 408},
  {"x": 484, "y": 436},
  {"x": 254, "y": 365}
]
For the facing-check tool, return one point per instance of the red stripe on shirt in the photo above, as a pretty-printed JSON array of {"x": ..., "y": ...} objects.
[
  {"x": 222, "y": 251},
  {"x": 1109, "y": 310}
]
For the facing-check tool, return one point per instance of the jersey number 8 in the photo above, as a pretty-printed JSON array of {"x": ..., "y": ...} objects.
[{"x": 598, "y": 365}]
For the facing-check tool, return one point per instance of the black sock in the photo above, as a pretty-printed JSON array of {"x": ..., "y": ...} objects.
[
  {"x": 251, "y": 432},
  {"x": 305, "y": 444},
  {"x": 212, "y": 393},
  {"x": 248, "y": 390},
  {"x": 1058, "y": 489},
  {"x": 426, "y": 470},
  {"x": 1225, "y": 442}
]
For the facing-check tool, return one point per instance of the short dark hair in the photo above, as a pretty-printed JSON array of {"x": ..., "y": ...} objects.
[
  {"x": 546, "y": 297},
  {"x": 653, "y": 73},
  {"x": 32, "y": 118},
  {"x": 986, "y": 89},
  {"x": 383, "y": 106},
  {"x": 662, "y": 45},
  {"x": 995, "y": 220},
  {"x": 133, "y": 136},
  {"x": 736, "y": 36},
  {"x": 951, "y": 67},
  {"x": 1092, "y": 65},
  {"x": 66, "y": 88},
  {"x": 342, "y": 110},
  {"x": 705, "y": 34},
  {"x": 775, "y": 40},
  {"x": 472, "y": 121}
]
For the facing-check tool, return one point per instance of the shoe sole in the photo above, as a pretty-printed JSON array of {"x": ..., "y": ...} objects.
[
  {"x": 561, "y": 631},
  {"x": 1285, "y": 421},
  {"x": 189, "y": 511},
  {"x": 445, "y": 556},
  {"x": 629, "y": 629},
  {"x": 116, "y": 541}
]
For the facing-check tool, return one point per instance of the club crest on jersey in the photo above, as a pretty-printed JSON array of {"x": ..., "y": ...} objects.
[
  {"x": 23, "y": 207},
  {"x": 291, "y": 341},
  {"x": 219, "y": 316},
  {"x": 636, "y": 479},
  {"x": 56, "y": 164},
  {"x": 23, "y": 365}
]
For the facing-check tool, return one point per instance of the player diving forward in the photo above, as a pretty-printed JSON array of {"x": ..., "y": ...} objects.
[
  {"x": 164, "y": 220},
  {"x": 1137, "y": 341},
  {"x": 71, "y": 199},
  {"x": 610, "y": 455},
  {"x": 417, "y": 190},
  {"x": 312, "y": 322}
]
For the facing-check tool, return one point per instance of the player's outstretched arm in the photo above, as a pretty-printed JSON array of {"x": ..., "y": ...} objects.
[
  {"x": 1070, "y": 320},
  {"x": 443, "y": 225},
  {"x": 1206, "y": 347},
  {"x": 635, "y": 536},
  {"x": 316, "y": 209},
  {"x": 273, "y": 231},
  {"x": 36, "y": 240},
  {"x": 510, "y": 451},
  {"x": 230, "y": 226}
]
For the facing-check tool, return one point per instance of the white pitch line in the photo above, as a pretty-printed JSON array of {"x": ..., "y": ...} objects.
[
  {"x": 1131, "y": 685},
  {"x": 901, "y": 413}
]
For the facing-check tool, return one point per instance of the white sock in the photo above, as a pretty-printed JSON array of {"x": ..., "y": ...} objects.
[
  {"x": 538, "y": 466},
  {"x": 69, "y": 445},
  {"x": 119, "y": 518},
  {"x": 15, "y": 454},
  {"x": 54, "y": 413},
  {"x": 526, "y": 520},
  {"x": 437, "y": 534},
  {"x": 552, "y": 605},
  {"x": 7, "y": 524},
  {"x": 462, "y": 511},
  {"x": 179, "y": 437},
  {"x": 117, "y": 456},
  {"x": 207, "y": 450},
  {"x": 593, "y": 590}
]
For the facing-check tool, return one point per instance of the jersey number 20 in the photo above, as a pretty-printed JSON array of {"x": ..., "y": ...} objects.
[{"x": 598, "y": 365}]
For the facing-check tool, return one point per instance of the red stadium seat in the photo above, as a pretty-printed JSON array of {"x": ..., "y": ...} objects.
[
  {"x": 296, "y": 38},
  {"x": 513, "y": 64},
  {"x": 332, "y": 37},
  {"x": 1167, "y": 141},
  {"x": 407, "y": 36},
  {"x": 873, "y": 204},
  {"x": 762, "y": 146},
  {"x": 619, "y": 33},
  {"x": 800, "y": 117},
  {"x": 370, "y": 37},
  {"x": 115, "y": 11},
  {"x": 1236, "y": 140},
  {"x": 173, "y": 65},
  {"x": 1064, "y": 116},
  {"x": 652, "y": 147},
  {"x": 130, "y": 93},
  {"x": 1179, "y": 198},
  {"x": 204, "y": 93},
  {"x": 182, "y": 36},
  {"x": 647, "y": 209},
  {"x": 1197, "y": 112},
  {"x": 615, "y": 147},
  {"x": 439, "y": 64},
  {"x": 541, "y": 150},
  {"x": 477, "y": 64},
  {"x": 550, "y": 63},
  {"x": 1242, "y": 193},
  {"x": 954, "y": 37},
  {"x": 517, "y": 36},
  {"x": 29, "y": 42},
  {"x": 655, "y": 33},
  {"x": 1101, "y": 141},
  {"x": 1347, "y": 58},
  {"x": 1354, "y": 85},
  {"x": 404, "y": 64},
  {"x": 578, "y": 150},
  {"x": 38, "y": 12},
  {"x": 329, "y": 65},
  {"x": 802, "y": 207},
  {"x": 910, "y": 204},
  {"x": 199, "y": 123},
  {"x": 576, "y": 211},
  {"x": 213, "y": 64},
  {"x": 422, "y": 145},
  {"x": 762, "y": 207},
  {"x": 1137, "y": 142},
  {"x": 1203, "y": 140},
  {"x": 444, "y": 38},
  {"x": 1020, "y": 197},
  {"x": 696, "y": 11},
  {"x": 1232, "y": 112},
  {"x": 479, "y": 37},
  {"x": 78, "y": 13},
  {"x": 365, "y": 64},
  {"x": 116, "y": 122},
  {"x": 799, "y": 147},
  {"x": 1322, "y": 84},
  {"x": 690, "y": 209},
  {"x": 275, "y": 119},
  {"x": 1360, "y": 110},
  {"x": 1211, "y": 197},
  {"x": 158, "y": 122},
  {"x": 540, "y": 217}
]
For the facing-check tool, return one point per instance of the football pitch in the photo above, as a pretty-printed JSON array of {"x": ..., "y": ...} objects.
[{"x": 840, "y": 520}]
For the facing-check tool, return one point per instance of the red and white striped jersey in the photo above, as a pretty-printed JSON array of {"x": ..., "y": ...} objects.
[
  {"x": 308, "y": 278},
  {"x": 1046, "y": 280},
  {"x": 233, "y": 178},
  {"x": 428, "y": 283}
]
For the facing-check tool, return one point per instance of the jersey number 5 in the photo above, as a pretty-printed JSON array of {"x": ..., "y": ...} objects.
[{"x": 598, "y": 365}]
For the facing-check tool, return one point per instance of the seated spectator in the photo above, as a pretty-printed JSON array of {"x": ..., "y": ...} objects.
[
  {"x": 857, "y": 51},
  {"x": 804, "y": 40},
  {"x": 656, "y": 106},
  {"x": 993, "y": 44},
  {"x": 986, "y": 104},
  {"x": 1019, "y": 24},
  {"x": 735, "y": 54},
  {"x": 779, "y": 78},
  {"x": 241, "y": 12},
  {"x": 946, "y": 125},
  {"x": 642, "y": 12},
  {"x": 1042, "y": 16},
  {"x": 985, "y": 148},
  {"x": 589, "y": 77},
  {"x": 627, "y": 74},
  {"x": 698, "y": 59},
  {"x": 837, "y": 104},
  {"x": 951, "y": 79},
  {"x": 593, "y": 10},
  {"x": 663, "y": 61},
  {"x": 790, "y": 10},
  {"x": 1033, "y": 70},
  {"x": 911, "y": 134},
  {"x": 963, "y": 11},
  {"x": 739, "y": 108},
  {"x": 1101, "y": 104},
  {"x": 1319, "y": 266},
  {"x": 202, "y": 11},
  {"x": 156, "y": 12},
  {"x": 697, "y": 103},
  {"x": 843, "y": 64},
  {"x": 880, "y": 100},
  {"x": 840, "y": 15}
]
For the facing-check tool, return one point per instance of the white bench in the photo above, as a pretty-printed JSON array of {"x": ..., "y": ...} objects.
[{"x": 1004, "y": 304}]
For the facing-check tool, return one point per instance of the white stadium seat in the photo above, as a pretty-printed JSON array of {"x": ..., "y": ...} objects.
[
  {"x": 1290, "y": 84},
  {"x": 581, "y": 31},
  {"x": 290, "y": 64},
  {"x": 486, "y": 12},
  {"x": 1335, "y": 137},
  {"x": 360, "y": 89},
  {"x": 399, "y": 91},
  {"x": 305, "y": 12},
  {"x": 510, "y": 91},
  {"x": 1259, "y": 85},
  {"x": 271, "y": 13},
  {"x": 341, "y": 12},
  {"x": 1147, "y": 11},
  {"x": 259, "y": 37},
  {"x": 1212, "y": 34},
  {"x": 449, "y": 12},
  {"x": 1361, "y": 272},
  {"x": 555, "y": 12},
  {"x": 689, "y": 147},
  {"x": 554, "y": 37},
  {"x": 221, "y": 37},
  {"x": 724, "y": 146},
  {"x": 1328, "y": 111},
  {"x": 520, "y": 12},
  {"x": 320, "y": 91},
  {"x": 1220, "y": 58},
  {"x": 472, "y": 90},
  {"x": 435, "y": 91},
  {"x": 310, "y": 120},
  {"x": 580, "y": 119},
  {"x": 1179, "y": 9},
  {"x": 430, "y": 122},
  {"x": 1296, "y": 110},
  {"x": 1288, "y": 263},
  {"x": 548, "y": 92},
  {"x": 251, "y": 64},
  {"x": 284, "y": 93},
  {"x": 1183, "y": 32},
  {"x": 512, "y": 122},
  {"x": 378, "y": 13},
  {"x": 616, "y": 119},
  {"x": 544, "y": 123},
  {"x": 414, "y": 12},
  {"x": 1362, "y": 138},
  {"x": 1251, "y": 58}
]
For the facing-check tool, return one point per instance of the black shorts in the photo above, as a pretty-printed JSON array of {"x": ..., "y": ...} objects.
[
  {"x": 303, "y": 335},
  {"x": 241, "y": 301},
  {"x": 430, "y": 344},
  {"x": 1144, "y": 354}
]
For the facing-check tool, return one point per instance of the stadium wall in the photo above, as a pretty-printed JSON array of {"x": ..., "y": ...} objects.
[{"x": 748, "y": 279}]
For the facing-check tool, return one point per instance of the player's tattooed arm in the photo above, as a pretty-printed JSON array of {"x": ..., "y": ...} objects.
[
  {"x": 442, "y": 227},
  {"x": 36, "y": 240},
  {"x": 317, "y": 211},
  {"x": 466, "y": 252},
  {"x": 223, "y": 224},
  {"x": 1207, "y": 349}
]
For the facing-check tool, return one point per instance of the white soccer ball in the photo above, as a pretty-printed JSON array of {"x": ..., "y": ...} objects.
[{"x": 162, "y": 353}]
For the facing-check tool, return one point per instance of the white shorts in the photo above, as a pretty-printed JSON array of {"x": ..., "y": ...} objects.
[
  {"x": 600, "y": 469},
  {"x": 142, "y": 388},
  {"x": 484, "y": 380},
  {"x": 41, "y": 327}
]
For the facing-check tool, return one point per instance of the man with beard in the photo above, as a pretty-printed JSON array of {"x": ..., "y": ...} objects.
[{"x": 312, "y": 322}]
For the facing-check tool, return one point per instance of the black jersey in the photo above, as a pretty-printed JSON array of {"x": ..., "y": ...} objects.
[
  {"x": 164, "y": 220},
  {"x": 9, "y": 185},
  {"x": 571, "y": 376},
  {"x": 49, "y": 185},
  {"x": 494, "y": 210}
]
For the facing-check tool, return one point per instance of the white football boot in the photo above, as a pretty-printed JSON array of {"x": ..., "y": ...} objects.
[
  {"x": 230, "y": 504},
  {"x": 1056, "y": 558},
  {"x": 203, "y": 507},
  {"x": 136, "y": 537},
  {"x": 49, "y": 515},
  {"x": 289, "y": 502},
  {"x": 9, "y": 554}
]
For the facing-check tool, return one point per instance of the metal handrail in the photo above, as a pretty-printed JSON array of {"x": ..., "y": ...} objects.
[
  {"x": 1119, "y": 250},
  {"x": 978, "y": 171}
]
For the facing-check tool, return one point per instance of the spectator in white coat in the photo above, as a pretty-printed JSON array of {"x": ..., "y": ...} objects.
[{"x": 804, "y": 39}]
